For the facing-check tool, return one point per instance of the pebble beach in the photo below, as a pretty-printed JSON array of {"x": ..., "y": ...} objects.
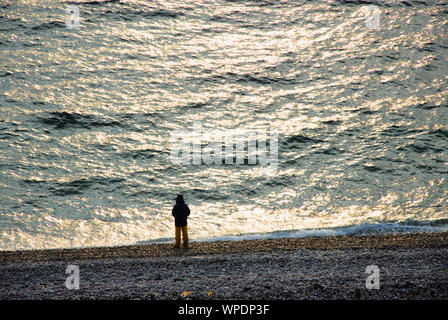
[{"x": 412, "y": 266}]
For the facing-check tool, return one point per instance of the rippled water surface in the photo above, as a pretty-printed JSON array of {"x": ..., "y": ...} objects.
[{"x": 86, "y": 116}]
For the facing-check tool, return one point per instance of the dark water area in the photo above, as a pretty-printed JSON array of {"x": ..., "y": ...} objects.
[{"x": 86, "y": 116}]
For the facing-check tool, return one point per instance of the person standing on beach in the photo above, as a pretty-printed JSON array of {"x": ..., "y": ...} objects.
[{"x": 180, "y": 213}]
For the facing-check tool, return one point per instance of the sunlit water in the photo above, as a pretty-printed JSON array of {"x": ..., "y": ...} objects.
[{"x": 86, "y": 117}]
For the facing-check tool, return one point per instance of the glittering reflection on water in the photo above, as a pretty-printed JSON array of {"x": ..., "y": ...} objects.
[{"x": 87, "y": 114}]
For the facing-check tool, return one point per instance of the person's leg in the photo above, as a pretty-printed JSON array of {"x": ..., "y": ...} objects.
[
  {"x": 185, "y": 236},
  {"x": 177, "y": 242}
]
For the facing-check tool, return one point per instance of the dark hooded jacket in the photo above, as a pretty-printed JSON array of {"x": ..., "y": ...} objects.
[{"x": 180, "y": 212}]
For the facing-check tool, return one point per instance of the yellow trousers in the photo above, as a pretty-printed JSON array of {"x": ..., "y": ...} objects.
[{"x": 184, "y": 231}]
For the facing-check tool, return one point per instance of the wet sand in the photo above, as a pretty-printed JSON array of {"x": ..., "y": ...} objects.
[{"x": 412, "y": 266}]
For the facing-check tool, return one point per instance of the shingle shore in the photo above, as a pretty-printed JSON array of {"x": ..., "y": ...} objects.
[
  {"x": 385, "y": 241},
  {"x": 412, "y": 266}
]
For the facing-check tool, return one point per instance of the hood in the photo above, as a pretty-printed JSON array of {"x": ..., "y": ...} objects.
[{"x": 180, "y": 199}]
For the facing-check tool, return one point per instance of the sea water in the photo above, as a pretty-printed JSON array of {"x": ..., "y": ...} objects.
[{"x": 92, "y": 91}]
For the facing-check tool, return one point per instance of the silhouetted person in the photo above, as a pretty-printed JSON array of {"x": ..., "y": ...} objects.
[{"x": 180, "y": 213}]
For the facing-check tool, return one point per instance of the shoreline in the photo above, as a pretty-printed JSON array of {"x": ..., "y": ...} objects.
[
  {"x": 376, "y": 241},
  {"x": 411, "y": 266}
]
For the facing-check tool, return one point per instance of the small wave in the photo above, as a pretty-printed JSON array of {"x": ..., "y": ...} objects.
[
  {"x": 368, "y": 112},
  {"x": 205, "y": 194},
  {"x": 362, "y": 229},
  {"x": 431, "y": 223},
  {"x": 279, "y": 181},
  {"x": 331, "y": 151},
  {"x": 90, "y": 181},
  {"x": 65, "y": 120},
  {"x": 80, "y": 185},
  {"x": 163, "y": 13},
  {"x": 266, "y": 80},
  {"x": 33, "y": 181},
  {"x": 49, "y": 25},
  {"x": 394, "y": 130},
  {"x": 372, "y": 168},
  {"x": 297, "y": 140},
  {"x": 93, "y": 2},
  {"x": 127, "y": 13},
  {"x": 418, "y": 148},
  {"x": 130, "y": 14},
  {"x": 428, "y": 106},
  {"x": 139, "y": 154},
  {"x": 391, "y": 3},
  {"x": 247, "y": 78},
  {"x": 360, "y": 2},
  {"x": 332, "y": 122},
  {"x": 441, "y": 133},
  {"x": 194, "y": 105}
]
